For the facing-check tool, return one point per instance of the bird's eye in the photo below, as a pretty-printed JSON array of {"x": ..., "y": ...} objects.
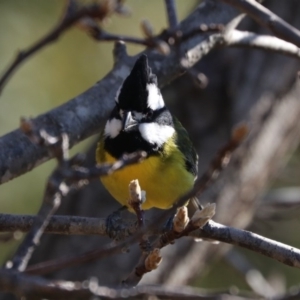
[{"x": 149, "y": 113}]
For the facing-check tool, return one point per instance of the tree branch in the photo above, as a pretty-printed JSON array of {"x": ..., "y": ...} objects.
[
  {"x": 220, "y": 161},
  {"x": 73, "y": 225},
  {"x": 66, "y": 225},
  {"x": 55, "y": 190},
  {"x": 68, "y": 174},
  {"x": 150, "y": 41},
  {"x": 33, "y": 287},
  {"x": 267, "y": 19},
  {"x": 171, "y": 14},
  {"x": 71, "y": 15},
  {"x": 283, "y": 253},
  {"x": 83, "y": 115},
  {"x": 237, "y": 38}
]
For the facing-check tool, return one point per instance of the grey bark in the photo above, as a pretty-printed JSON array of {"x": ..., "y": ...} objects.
[{"x": 243, "y": 85}]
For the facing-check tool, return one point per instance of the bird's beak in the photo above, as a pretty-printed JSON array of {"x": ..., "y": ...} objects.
[{"x": 128, "y": 121}]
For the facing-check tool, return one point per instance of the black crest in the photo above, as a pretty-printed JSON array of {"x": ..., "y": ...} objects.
[{"x": 133, "y": 94}]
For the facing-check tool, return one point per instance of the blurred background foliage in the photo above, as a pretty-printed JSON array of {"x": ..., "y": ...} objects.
[
  {"x": 67, "y": 68},
  {"x": 55, "y": 75}
]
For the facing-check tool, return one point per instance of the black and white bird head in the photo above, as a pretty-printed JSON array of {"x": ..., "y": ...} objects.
[{"x": 140, "y": 110}]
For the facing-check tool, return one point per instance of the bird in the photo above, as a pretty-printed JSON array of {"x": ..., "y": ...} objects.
[{"x": 140, "y": 121}]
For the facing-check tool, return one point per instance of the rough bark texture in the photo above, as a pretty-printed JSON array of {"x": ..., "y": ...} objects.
[{"x": 243, "y": 85}]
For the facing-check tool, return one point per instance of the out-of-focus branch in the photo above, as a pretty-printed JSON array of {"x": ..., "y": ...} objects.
[
  {"x": 83, "y": 115},
  {"x": 33, "y": 287},
  {"x": 171, "y": 14},
  {"x": 293, "y": 294},
  {"x": 237, "y": 38},
  {"x": 267, "y": 19},
  {"x": 68, "y": 175},
  {"x": 54, "y": 192},
  {"x": 182, "y": 226},
  {"x": 71, "y": 15},
  {"x": 254, "y": 278},
  {"x": 220, "y": 161},
  {"x": 150, "y": 41},
  {"x": 242, "y": 183}
]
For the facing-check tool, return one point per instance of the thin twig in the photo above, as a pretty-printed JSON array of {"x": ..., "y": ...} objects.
[
  {"x": 82, "y": 116},
  {"x": 33, "y": 287},
  {"x": 221, "y": 160},
  {"x": 55, "y": 190},
  {"x": 65, "y": 225},
  {"x": 99, "y": 34},
  {"x": 105, "y": 36},
  {"x": 71, "y": 15},
  {"x": 93, "y": 226},
  {"x": 283, "y": 253},
  {"x": 171, "y": 14},
  {"x": 237, "y": 38},
  {"x": 68, "y": 261},
  {"x": 68, "y": 174},
  {"x": 182, "y": 226},
  {"x": 267, "y": 19}
]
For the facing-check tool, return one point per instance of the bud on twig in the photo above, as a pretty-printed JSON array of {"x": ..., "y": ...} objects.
[
  {"x": 181, "y": 219},
  {"x": 201, "y": 217},
  {"x": 153, "y": 260},
  {"x": 147, "y": 28}
]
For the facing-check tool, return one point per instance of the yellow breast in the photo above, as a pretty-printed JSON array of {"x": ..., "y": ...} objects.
[{"x": 163, "y": 177}]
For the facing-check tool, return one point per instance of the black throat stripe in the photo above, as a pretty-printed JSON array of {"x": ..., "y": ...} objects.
[{"x": 129, "y": 142}]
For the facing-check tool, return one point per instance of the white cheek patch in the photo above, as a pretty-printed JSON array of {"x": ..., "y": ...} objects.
[
  {"x": 113, "y": 127},
  {"x": 155, "y": 133},
  {"x": 155, "y": 99}
]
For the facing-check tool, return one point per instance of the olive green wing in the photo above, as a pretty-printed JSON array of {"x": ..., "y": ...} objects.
[{"x": 185, "y": 145}]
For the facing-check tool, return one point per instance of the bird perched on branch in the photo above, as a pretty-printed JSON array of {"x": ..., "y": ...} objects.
[{"x": 141, "y": 121}]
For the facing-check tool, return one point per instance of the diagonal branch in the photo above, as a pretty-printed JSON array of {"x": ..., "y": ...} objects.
[
  {"x": 82, "y": 116},
  {"x": 71, "y": 16},
  {"x": 267, "y": 19},
  {"x": 237, "y": 38},
  {"x": 252, "y": 241},
  {"x": 54, "y": 192},
  {"x": 220, "y": 161},
  {"x": 57, "y": 189},
  {"x": 69, "y": 174},
  {"x": 171, "y": 14}
]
